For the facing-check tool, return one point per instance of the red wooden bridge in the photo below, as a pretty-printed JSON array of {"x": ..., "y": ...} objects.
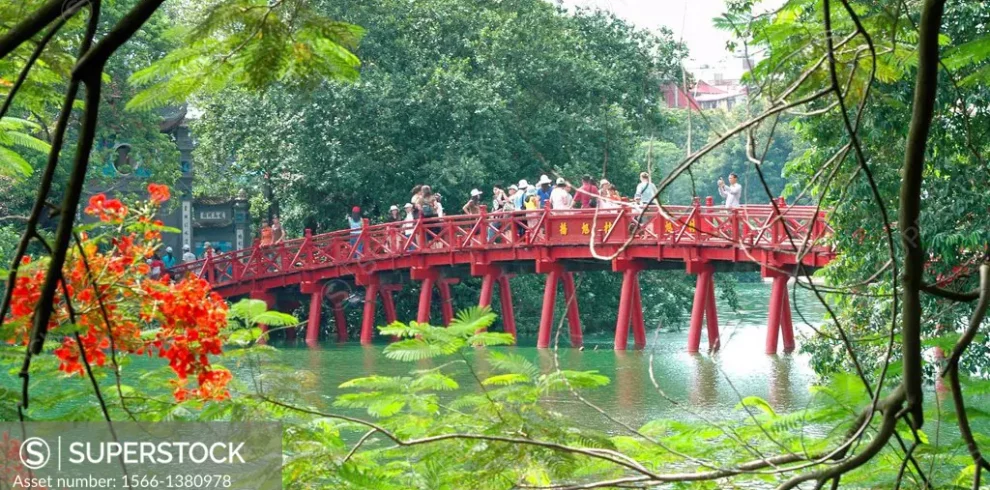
[{"x": 775, "y": 239}]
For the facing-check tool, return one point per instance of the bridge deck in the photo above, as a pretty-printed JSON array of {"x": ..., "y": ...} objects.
[{"x": 751, "y": 236}]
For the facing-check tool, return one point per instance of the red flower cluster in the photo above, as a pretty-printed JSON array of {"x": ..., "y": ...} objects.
[
  {"x": 159, "y": 193},
  {"x": 181, "y": 321},
  {"x": 108, "y": 210}
]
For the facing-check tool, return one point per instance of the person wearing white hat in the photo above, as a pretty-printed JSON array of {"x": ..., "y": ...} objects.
[
  {"x": 473, "y": 206},
  {"x": 519, "y": 198},
  {"x": 393, "y": 214},
  {"x": 168, "y": 259},
  {"x": 408, "y": 223},
  {"x": 509, "y": 204},
  {"x": 559, "y": 197},
  {"x": 187, "y": 255},
  {"x": 544, "y": 190}
]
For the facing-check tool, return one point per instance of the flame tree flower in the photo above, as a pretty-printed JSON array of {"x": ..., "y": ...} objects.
[{"x": 117, "y": 307}]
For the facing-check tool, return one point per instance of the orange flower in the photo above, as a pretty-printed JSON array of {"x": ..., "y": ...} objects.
[
  {"x": 159, "y": 193},
  {"x": 188, "y": 316}
]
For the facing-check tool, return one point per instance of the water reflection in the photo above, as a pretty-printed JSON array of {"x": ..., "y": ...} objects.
[
  {"x": 781, "y": 392},
  {"x": 704, "y": 382},
  {"x": 629, "y": 379},
  {"x": 695, "y": 380},
  {"x": 369, "y": 358}
]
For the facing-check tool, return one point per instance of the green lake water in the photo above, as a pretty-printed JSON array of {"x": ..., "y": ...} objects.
[{"x": 711, "y": 385}]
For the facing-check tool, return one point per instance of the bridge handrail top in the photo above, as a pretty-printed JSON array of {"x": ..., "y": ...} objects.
[{"x": 790, "y": 211}]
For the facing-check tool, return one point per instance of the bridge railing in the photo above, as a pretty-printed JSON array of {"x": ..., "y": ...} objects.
[{"x": 782, "y": 228}]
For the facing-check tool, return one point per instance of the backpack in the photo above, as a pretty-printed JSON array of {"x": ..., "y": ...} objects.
[{"x": 429, "y": 211}]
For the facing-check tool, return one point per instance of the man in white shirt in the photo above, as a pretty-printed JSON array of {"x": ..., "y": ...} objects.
[
  {"x": 645, "y": 190},
  {"x": 732, "y": 192},
  {"x": 187, "y": 256},
  {"x": 559, "y": 197}
]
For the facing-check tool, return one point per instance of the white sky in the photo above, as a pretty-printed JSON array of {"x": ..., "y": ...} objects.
[{"x": 690, "y": 20}]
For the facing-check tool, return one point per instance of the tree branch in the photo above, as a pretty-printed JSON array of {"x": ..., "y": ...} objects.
[
  {"x": 29, "y": 27},
  {"x": 925, "y": 91}
]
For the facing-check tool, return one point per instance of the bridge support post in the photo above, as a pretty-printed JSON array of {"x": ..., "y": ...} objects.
[
  {"x": 779, "y": 323},
  {"x": 315, "y": 292},
  {"x": 388, "y": 303},
  {"x": 704, "y": 306},
  {"x": 573, "y": 316},
  {"x": 425, "y": 300},
  {"x": 490, "y": 274},
  {"x": 372, "y": 285},
  {"x": 315, "y": 314},
  {"x": 428, "y": 278},
  {"x": 786, "y": 324},
  {"x": 638, "y": 325},
  {"x": 339, "y": 318},
  {"x": 711, "y": 317},
  {"x": 487, "y": 287},
  {"x": 630, "y": 305},
  {"x": 446, "y": 301},
  {"x": 546, "y": 316},
  {"x": 269, "y": 298},
  {"x": 556, "y": 274},
  {"x": 505, "y": 299}
]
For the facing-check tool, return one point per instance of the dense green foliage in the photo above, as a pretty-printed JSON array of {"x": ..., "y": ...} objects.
[
  {"x": 453, "y": 93},
  {"x": 460, "y": 95},
  {"x": 954, "y": 187}
]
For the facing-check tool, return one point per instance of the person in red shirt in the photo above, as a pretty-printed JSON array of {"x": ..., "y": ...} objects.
[
  {"x": 587, "y": 196},
  {"x": 157, "y": 267}
]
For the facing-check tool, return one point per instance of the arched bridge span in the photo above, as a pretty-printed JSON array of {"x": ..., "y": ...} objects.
[{"x": 775, "y": 239}]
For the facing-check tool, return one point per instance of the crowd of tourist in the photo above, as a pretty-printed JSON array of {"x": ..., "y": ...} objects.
[
  {"x": 545, "y": 193},
  {"x": 424, "y": 203}
]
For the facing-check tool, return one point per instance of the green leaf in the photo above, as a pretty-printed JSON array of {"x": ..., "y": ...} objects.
[
  {"x": 756, "y": 402},
  {"x": 506, "y": 379},
  {"x": 11, "y": 163},
  {"x": 274, "y": 319},
  {"x": 434, "y": 381}
]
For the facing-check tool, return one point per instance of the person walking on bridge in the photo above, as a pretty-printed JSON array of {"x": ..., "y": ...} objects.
[
  {"x": 732, "y": 192},
  {"x": 559, "y": 197},
  {"x": 544, "y": 191},
  {"x": 168, "y": 259},
  {"x": 278, "y": 234},
  {"x": 409, "y": 222},
  {"x": 355, "y": 223},
  {"x": 426, "y": 202},
  {"x": 587, "y": 194},
  {"x": 519, "y": 200},
  {"x": 187, "y": 255},
  {"x": 509, "y": 203},
  {"x": 645, "y": 191},
  {"x": 266, "y": 234},
  {"x": 393, "y": 214},
  {"x": 473, "y": 206}
]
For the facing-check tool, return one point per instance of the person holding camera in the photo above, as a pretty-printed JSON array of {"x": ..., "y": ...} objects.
[{"x": 732, "y": 192}]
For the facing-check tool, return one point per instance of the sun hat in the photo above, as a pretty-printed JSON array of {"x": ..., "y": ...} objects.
[
  {"x": 393, "y": 208},
  {"x": 168, "y": 249},
  {"x": 523, "y": 184},
  {"x": 561, "y": 181},
  {"x": 475, "y": 192},
  {"x": 544, "y": 180},
  {"x": 513, "y": 187},
  {"x": 408, "y": 205}
]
